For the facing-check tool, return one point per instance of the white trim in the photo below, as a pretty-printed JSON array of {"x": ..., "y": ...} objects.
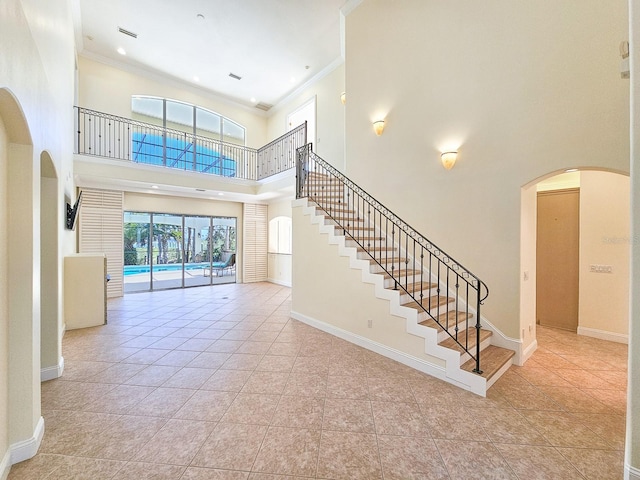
[
  {"x": 50, "y": 373},
  {"x": 279, "y": 282},
  {"x": 5, "y": 465},
  {"x": 631, "y": 473},
  {"x": 603, "y": 335},
  {"x": 530, "y": 350},
  {"x": 389, "y": 352},
  {"x": 26, "y": 449}
]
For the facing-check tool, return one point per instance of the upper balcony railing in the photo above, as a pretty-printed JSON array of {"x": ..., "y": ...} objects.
[{"x": 105, "y": 135}]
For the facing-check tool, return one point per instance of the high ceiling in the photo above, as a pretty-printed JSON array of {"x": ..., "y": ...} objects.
[{"x": 275, "y": 46}]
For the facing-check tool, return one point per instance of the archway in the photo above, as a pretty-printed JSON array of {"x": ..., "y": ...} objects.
[
  {"x": 19, "y": 297},
  {"x": 604, "y": 219},
  {"x": 51, "y": 361}
]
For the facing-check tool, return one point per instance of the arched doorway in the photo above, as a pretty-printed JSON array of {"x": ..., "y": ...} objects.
[
  {"x": 51, "y": 362},
  {"x": 19, "y": 285},
  {"x": 603, "y": 253}
]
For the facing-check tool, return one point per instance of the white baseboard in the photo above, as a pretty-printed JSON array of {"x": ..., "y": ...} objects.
[
  {"x": 603, "y": 335},
  {"x": 50, "y": 373},
  {"x": 21, "y": 451},
  {"x": 527, "y": 352},
  {"x": 279, "y": 282},
  {"x": 419, "y": 364},
  {"x": 631, "y": 473},
  {"x": 5, "y": 465}
]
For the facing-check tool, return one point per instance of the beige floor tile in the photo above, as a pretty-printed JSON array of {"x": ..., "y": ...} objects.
[
  {"x": 505, "y": 425},
  {"x": 153, "y": 375},
  {"x": 38, "y": 467},
  {"x": 162, "y": 402},
  {"x": 396, "y": 418},
  {"x": 575, "y": 400},
  {"x": 349, "y": 456},
  {"x": 254, "y": 347},
  {"x": 224, "y": 346},
  {"x": 538, "y": 462},
  {"x": 276, "y": 363},
  {"x": 231, "y": 446},
  {"x": 122, "y": 439},
  {"x": 177, "y": 358},
  {"x": 187, "y": 377},
  {"x": 453, "y": 422},
  {"x": 227, "y": 380},
  {"x": 299, "y": 412},
  {"x": 611, "y": 428},
  {"x": 562, "y": 429},
  {"x": 251, "y": 408},
  {"x": 290, "y": 451},
  {"x": 206, "y": 405},
  {"x": 150, "y": 471},
  {"x": 210, "y": 360},
  {"x": 266, "y": 382},
  {"x": 77, "y": 468},
  {"x": 177, "y": 442},
  {"x": 195, "y": 473},
  {"x": 390, "y": 390},
  {"x": 306, "y": 385},
  {"x": 345, "y": 386},
  {"x": 120, "y": 399},
  {"x": 467, "y": 460},
  {"x": 242, "y": 361},
  {"x": 348, "y": 415},
  {"x": 408, "y": 457},
  {"x": 596, "y": 464},
  {"x": 284, "y": 349}
]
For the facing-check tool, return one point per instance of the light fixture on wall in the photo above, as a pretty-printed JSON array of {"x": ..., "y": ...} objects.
[
  {"x": 378, "y": 127},
  {"x": 449, "y": 159},
  {"x": 343, "y": 97}
]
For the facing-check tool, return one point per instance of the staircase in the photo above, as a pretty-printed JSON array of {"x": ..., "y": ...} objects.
[{"x": 439, "y": 298}]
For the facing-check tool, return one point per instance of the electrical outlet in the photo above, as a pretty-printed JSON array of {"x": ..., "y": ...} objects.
[
  {"x": 370, "y": 323},
  {"x": 525, "y": 276}
]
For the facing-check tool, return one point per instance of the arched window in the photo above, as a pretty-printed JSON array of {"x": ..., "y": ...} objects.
[{"x": 187, "y": 118}]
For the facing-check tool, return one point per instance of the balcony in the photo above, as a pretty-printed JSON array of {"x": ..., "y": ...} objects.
[{"x": 108, "y": 136}]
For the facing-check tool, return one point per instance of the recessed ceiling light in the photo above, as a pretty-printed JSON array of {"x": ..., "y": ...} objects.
[
  {"x": 293, "y": 79},
  {"x": 196, "y": 78},
  {"x": 220, "y": 194},
  {"x": 253, "y": 99},
  {"x": 122, "y": 51},
  {"x": 154, "y": 186}
]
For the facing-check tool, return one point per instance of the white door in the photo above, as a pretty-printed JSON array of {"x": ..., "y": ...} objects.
[{"x": 306, "y": 112}]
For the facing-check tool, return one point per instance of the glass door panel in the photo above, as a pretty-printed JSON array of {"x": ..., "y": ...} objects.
[
  {"x": 223, "y": 241},
  {"x": 137, "y": 249},
  {"x": 197, "y": 255},
  {"x": 167, "y": 251}
]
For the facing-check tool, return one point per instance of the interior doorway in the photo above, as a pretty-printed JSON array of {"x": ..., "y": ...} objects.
[
  {"x": 557, "y": 258},
  {"x": 305, "y": 113}
]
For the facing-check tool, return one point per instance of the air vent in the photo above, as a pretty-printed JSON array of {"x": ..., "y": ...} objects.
[
  {"x": 127, "y": 32},
  {"x": 237, "y": 77},
  {"x": 263, "y": 106},
  {"x": 200, "y": 190}
]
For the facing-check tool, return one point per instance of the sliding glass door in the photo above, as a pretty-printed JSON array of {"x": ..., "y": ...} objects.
[{"x": 172, "y": 251}]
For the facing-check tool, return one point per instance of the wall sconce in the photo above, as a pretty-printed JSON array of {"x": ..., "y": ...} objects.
[
  {"x": 343, "y": 97},
  {"x": 449, "y": 159},
  {"x": 378, "y": 127}
]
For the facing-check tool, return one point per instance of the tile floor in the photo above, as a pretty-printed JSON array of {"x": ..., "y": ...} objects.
[{"x": 218, "y": 383}]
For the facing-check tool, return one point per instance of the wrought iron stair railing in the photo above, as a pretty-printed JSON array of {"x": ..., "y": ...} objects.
[
  {"x": 105, "y": 135},
  {"x": 435, "y": 283}
]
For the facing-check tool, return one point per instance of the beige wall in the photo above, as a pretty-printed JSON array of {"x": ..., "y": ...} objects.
[
  {"x": 108, "y": 89},
  {"x": 521, "y": 89},
  {"x": 139, "y": 202},
  {"x": 604, "y": 240},
  {"x": 329, "y": 116},
  {"x": 327, "y": 289},
  {"x": 37, "y": 69}
]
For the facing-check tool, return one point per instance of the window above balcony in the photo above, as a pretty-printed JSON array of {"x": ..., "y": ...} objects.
[{"x": 187, "y": 118}]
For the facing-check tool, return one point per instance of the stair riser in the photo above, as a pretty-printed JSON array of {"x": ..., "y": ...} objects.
[{"x": 406, "y": 298}]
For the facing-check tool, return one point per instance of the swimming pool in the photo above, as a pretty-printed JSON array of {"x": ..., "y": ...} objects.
[{"x": 171, "y": 267}]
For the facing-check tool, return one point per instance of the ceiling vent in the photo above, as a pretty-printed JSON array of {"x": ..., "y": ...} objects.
[
  {"x": 263, "y": 106},
  {"x": 237, "y": 77},
  {"x": 200, "y": 190},
  {"x": 127, "y": 32}
]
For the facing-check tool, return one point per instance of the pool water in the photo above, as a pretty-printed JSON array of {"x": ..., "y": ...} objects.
[{"x": 172, "y": 267}]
